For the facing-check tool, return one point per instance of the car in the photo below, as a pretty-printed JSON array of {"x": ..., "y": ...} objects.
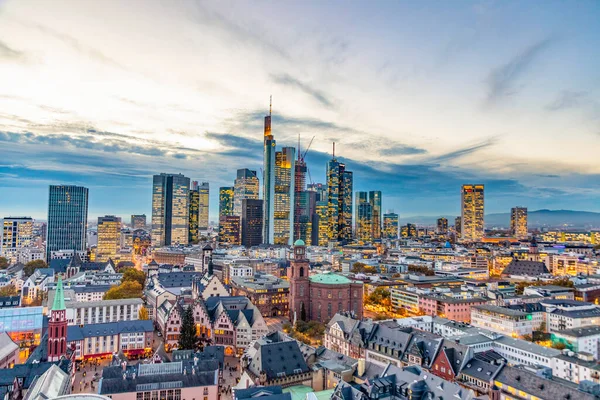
[{"x": 159, "y": 334}]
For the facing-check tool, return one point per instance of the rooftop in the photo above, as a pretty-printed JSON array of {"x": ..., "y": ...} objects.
[{"x": 329, "y": 278}]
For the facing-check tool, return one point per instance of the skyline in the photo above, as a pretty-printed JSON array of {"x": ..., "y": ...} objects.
[{"x": 110, "y": 95}]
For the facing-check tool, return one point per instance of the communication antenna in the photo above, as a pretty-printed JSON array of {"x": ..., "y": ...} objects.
[{"x": 270, "y": 104}]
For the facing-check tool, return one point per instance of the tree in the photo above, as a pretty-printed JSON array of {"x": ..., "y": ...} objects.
[
  {"x": 31, "y": 266},
  {"x": 421, "y": 270},
  {"x": 359, "y": 267},
  {"x": 143, "y": 314},
  {"x": 135, "y": 275},
  {"x": 559, "y": 346},
  {"x": 126, "y": 290},
  {"x": 187, "y": 337},
  {"x": 3, "y": 262},
  {"x": 8, "y": 290},
  {"x": 287, "y": 327}
]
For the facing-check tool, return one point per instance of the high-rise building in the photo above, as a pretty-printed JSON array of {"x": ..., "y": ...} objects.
[
  {"x": 375, "y": 201},
  {"x": 252, "y": 220},
  {"x": 472, "y": 207},
  {"x": 442, "y": 226},
  {"x": 339, "y": 201},
  {"x": 409, "y": 231},
  {"x": 321, "y": 224},
  {"x": 17, "y": 233},
  {"x": 284, "y": 200},
  {"x": 457, "y": 225},
  {"x": 364, "y": 217},
  {"x": 194, "y": 207},
  {"x": 170, "y": 209},
  {"x": 246, "y": 186},
  {"x": 268, "y": 181},
  {"x": 390, "y": 225},
  {"x": 320, "y": 189},
  {"x": 518, "y": 222},
  {"x": 226, "y": 195},
  {"x": 67, "y": 218},
  {"x": 138, "y": 221},
  {"x": 203, "y": 206},
  {"x": 109, "y": 238},
  {"x": 230, "y": 229},
  {"x": 303, "y": 208}
]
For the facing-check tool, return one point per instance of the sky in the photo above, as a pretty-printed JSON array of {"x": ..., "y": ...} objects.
[{"x": 419, "y": 97}]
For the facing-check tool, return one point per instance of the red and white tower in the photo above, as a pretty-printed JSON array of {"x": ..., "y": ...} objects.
[
  {"x": 57, "y": 326},
  {"x": 299, "y": 283}
]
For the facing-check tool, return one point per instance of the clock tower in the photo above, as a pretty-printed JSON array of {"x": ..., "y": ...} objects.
[{"x": 299, "y": 283}]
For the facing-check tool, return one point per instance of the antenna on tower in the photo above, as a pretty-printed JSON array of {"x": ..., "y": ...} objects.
[
  {"x": 270, "y": 104},
  {"x": 333, "y": 149},
  {"x": 298, "y": 150}
]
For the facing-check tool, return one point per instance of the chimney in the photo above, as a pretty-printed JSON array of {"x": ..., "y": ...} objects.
[{"x": 361, "y": 366}]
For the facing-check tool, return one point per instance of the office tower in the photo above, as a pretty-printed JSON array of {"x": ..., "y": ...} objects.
[
  {"x": 284, "y": 200},
  {"x": 457, "y": 225},
  {"x": 170, "y": 209},
  {"x": 230, "y": 229},
  {"x": 442, "y": 226},
  {"x": 472, "y": 205},
  {"x": 203, "y": 206},
  {"x": 17, "y": 233},
  {"x": 375, "y": 201},
  {"x": 390, "y": 225},
  {"x": 252, "y": 220},
  {"x": 409, "y": 231},
  {"x": 303, "y": 216},
  {"x": 138, "y": 221},
  {"x": 246, "y": 186},
  {"x": 364, "y": 217},
  {"x": 194, "y": 207},
  {"x": 109, "y": 238},
  {"x": 67, "y": 218},
  {"x": 518, "y": 222},
  {"x": 318, "y": 188},
  {"x": 339, "y": 199},
  {"x": 268, "y": 180},
  {"x": 321, "y": 224},
  {"x": 226, "y": 195}
]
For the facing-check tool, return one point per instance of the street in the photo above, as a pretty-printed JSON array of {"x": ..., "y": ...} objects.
[{"x": 275, "y": 323}]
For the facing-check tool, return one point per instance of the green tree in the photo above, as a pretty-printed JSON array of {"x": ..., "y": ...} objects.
[
  {"x": 31, "y": 266},
  {"x": 187, "y": 334},
  {"x": 3, "y": 262},
  {"x": 134, "y": 275},
  {"x": 8, "y": 290},
  {"x": 126, "y": 290}
]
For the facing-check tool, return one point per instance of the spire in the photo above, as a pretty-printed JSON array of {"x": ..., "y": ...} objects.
[
  {"x": 210, "y": 267},
  {"x": 270, "y": 104},
  {"x": 334, "y": 150},
  {"x": 59, "y": 297}
]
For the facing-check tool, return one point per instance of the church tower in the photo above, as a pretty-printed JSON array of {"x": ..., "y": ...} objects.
[
  {"x": 57, "y": 326},
  {"x": 299, "y": 284}
]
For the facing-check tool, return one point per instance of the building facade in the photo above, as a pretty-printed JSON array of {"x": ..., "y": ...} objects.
[
  {"x": 518, "y": 222},
  {"x": 246, "y": 186},
  {"x": 138, "y": 221},
  {"x": 170, "y": 209},
  {"x": 339, "y": 201},
  {"x": 284, "y": 200},
  {"x": 109, "y": 238},
  {"x": 442, "y": 226},
  {"x": 17, "y": 234},
  {"x": 268, "y": 180},
  {"x": 390, "y": 225},
  {"x": 472, "y": 217},
  {"x": 226, "y": 195},
  {"x": 67, "y": 218},
  {"x": 230, "y": 229},
  {"x": 252, "y": 220}
]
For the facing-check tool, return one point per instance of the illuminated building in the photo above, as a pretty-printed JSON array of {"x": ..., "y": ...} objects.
[
  {"x": 23, "y": 324},
  {"x": 457, "y": 225},
  {"x": 320, "y": 189},
  {"x": 518, "y": 222},
  {"x": 321, "y": 230},
  {"x": 375, "y": 201},
  {"x": 364, "y": 217},
  {"x": 283, "y": 216},
  {"x": 390, "y": 225},
  {"x": 442, "y": 226},
  {"x": 268, "y": 181},
  {"x": 170, "y": 209},
  {"x": 109, "y": 237},
  {"x": 252, "y": 220},
  {"x": 17, "y": 234},
  {"x": 203, "y": 206},
  {"x": 304, "y": 202},
  {"x": 409, "y": 231},
  {"x": 138, "y": 221},
  {"x": 339, "y": 199},
  {"x": 67, "y": 219},
  {"x": 472, "y": 208},
  {"x": 194, "y": 205},
  {"x": 230, "y": 229},
  {"x": 269, "y": 293},
  {"x": 226, "y": 200},
  {"x": 246, "y": 186}
]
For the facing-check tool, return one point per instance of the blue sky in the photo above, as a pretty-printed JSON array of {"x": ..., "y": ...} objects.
[{"x": 419, "y": 97}]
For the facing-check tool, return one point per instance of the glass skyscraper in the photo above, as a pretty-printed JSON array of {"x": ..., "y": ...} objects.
[
  {"x": 518, "y": 222},
  {"x": 170, "y": 209},
  {"x": 203, "y": 206},
  {"x": 194, "y": 205},
  {"x": 226, "y": 194},
  {"x": 246, "y": 186},
  {"x": 284, "y": 200},
  {"x": 109, "y": 237},
  {"x": 375, "y": 201},
  {"x": 67, "y": 218},
  {"x": 364, "y": 217},
  {"x": 390, "y": 225},
  {"x": 339, "y": 201},
  {"x": 268, "y": 181},
  {"x": 472, "y": 206}
]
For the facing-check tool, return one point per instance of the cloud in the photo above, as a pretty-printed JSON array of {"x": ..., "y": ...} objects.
[
  {"x": 288, "y": 80},
  {"x": 567, "y": 99},
  {"x": 502, "y": 80},
  {"x": 401, "y": 149},
  {"x": 9, "y": 53},
  {"x": 464, "y": 151}
]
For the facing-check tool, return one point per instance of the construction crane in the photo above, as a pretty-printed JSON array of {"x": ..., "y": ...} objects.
[{"x": 307, "y": 148}]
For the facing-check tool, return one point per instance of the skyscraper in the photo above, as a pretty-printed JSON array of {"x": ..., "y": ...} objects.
[
  {"x": 339, "y": 200},
  {"x": 390, "y": 225},
  {"x": 170, "y": 209},
  {"x": 109, "y": 237},
  {"x": 67, "y": 218},
  {"x": 203, "y": 206},
  {"x": 442, "y": 226},
  {"x": 518, "y": 222},
  {"x": 303, "y": 212},
  {"x": 321, "y": 224},
  {"x": 246, "y": 186},
  {"x": 138, "y": 221},
  {"x": 194, "y": 214},
  {"x": 268, "y": 180},
  {"x": 252, "y": 220},
  {"x": 472, "y": 207},
  {"x": 17, "y": 233},
  {"x": 364, "y": 217},
  {"x": 457, "y": 226},
  {"x": 226, "y": 195},
  {"x": 375, "y": 201},
  {"x": 230, "y": 229},
  {"x": 284, "y": 200}
]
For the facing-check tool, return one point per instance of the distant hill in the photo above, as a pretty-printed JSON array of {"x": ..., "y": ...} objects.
[{"x": 541, "y": 218}]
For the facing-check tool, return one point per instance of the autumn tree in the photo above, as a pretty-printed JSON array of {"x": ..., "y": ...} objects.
[
  {"x": 3, "y": 262},
  {"x": 8, "y": 290},
  {"x": 143, "y": 314},
  {"x": 359, "y": 267},
  {"x": 187, "y": 336},
  {"x": 135, "y": 275},
  {"x": 31, "y": 266},
  {"x": 126, "y": 290}
]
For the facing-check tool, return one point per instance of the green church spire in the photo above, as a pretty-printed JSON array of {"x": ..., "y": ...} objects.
[{"x": 59, "y": 297}]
